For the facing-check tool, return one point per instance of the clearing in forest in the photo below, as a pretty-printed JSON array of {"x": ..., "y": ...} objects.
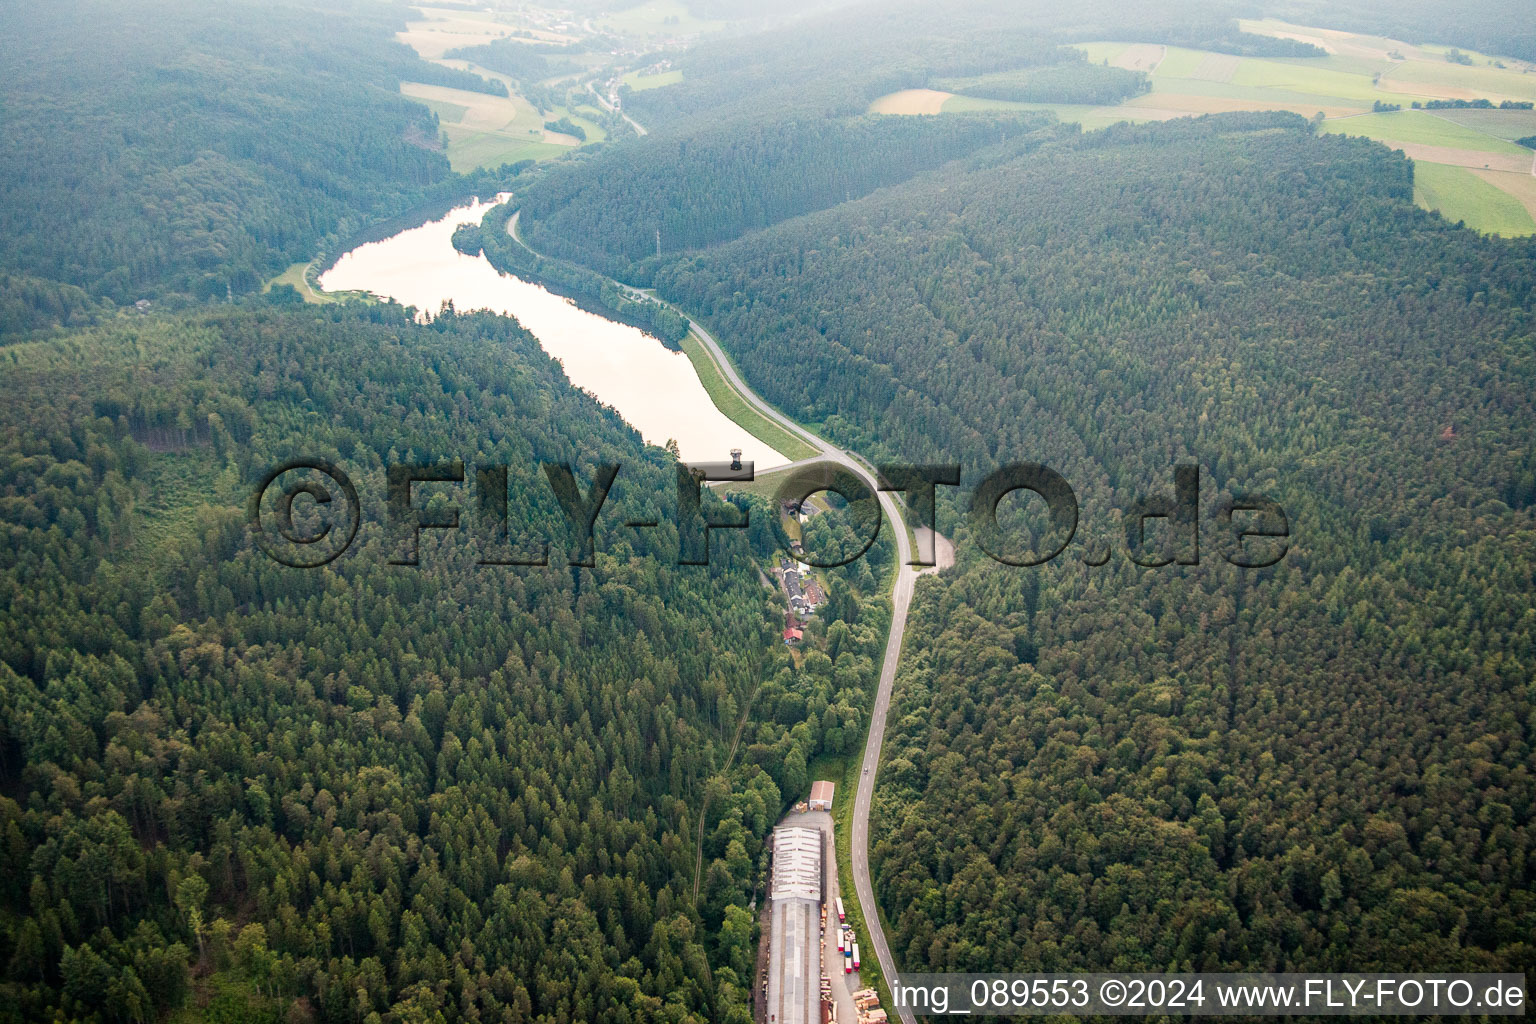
[
  {"x": 1140, "y": 57},
  {"x": 911, "y": 101},
  {"x": 442, "y": 29}
]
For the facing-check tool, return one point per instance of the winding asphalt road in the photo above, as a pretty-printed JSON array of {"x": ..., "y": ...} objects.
[{"x": 901, "y": 599}]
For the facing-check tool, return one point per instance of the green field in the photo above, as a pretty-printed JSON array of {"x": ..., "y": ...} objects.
[
  {"x": 639, "y": 83},
  {"x": 487, "y": 131},
  {"x": 294, "y": 276},
  {"x": 1424, "y": 128},
  {"x": 1101, "y": 52},
  {"x": 1090, "y": 117},
  {"x": 588, "y": 121},
  {"x": 447, "y": 113},
  {"x": 659, "y": 18},
  {"x": 1436, "y": 78},
  {"x": 1459, "y": 195},
  {"x": 728, "y": 401},
  {"x": 1508, "y": 125},
  {"x": 492, "y": 149},
  {"x": 764, "y": 485},
  {"x": 1179, "y": 62},
  {"x": 1315, "y": 80}
]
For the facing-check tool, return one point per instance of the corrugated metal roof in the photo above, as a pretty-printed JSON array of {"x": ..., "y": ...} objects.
[{"x": 796, "y": 863}]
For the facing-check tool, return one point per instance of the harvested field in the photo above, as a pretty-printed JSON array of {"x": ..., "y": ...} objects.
[
  {"x": 1453, "y": 81},
  {"x": 911, "y": 101},
  {"x": 441, "y": 30},
  {"x": 1465, "y": 157}
]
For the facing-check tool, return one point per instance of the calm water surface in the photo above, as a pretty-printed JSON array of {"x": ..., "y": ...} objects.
[{"x": 656, "y": 390}]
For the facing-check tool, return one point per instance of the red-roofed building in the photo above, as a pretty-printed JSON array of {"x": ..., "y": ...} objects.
[{"x": 793, "y": 635}]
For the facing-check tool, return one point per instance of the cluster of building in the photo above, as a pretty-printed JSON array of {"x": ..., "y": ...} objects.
[{"x": 803, "y": 595}]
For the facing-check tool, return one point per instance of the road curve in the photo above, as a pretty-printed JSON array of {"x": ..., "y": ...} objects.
[
  {"x": 901, "y": 599},
  {"x": 612, "y": 109}
]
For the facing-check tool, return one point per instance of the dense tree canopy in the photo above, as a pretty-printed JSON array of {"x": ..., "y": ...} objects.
[
  {"x": 614, "y": 209},
  {"x": 1326, "y": 764},
  {"x": 160, "y": 145},
  {"x": 448, "y": 789},
  {"x": 452, "y": 792}
]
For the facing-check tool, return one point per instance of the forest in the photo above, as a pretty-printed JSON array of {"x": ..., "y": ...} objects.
[
  {"x": 1223, "y": 36},
  {"x": 526, "y": 62},
  {"x": 360, "y": 793},
  {"x": 161, "y": 155},
  {"x": 379, "y": 794},
  {"x": 1326, "y": 764},
  {"x": 442, "y": 793},
  {"x": 605, "y": 211}
]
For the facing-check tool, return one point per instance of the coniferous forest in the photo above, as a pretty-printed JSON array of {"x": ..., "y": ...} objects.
[
  {"x": 375, "y": 793},
  {"x": 1327, "y": 763}
]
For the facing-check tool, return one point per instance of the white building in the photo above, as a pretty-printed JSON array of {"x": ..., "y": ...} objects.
[{"x": 794, "y": 949}]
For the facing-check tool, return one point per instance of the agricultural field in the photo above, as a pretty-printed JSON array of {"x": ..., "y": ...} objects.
[
  {"x": 1463, "y": 195},
  {"x": 481, "y": 130},
  {"x": 469, "y": 150},
  {"x": 640, "y": 82},
  {"x": 656, "y": 18},
  {"x": 1359, "y": 71},
  {"x": 295, "y": 277},
  {"x": 488, "y": 130},
  {"x": 446, "y": 28},
  {"x": 1508, "y": 125},
  {"x": 1521, "y": 186},
  {"x": 1428, "y": 128},
  {"x": 915, "y": 101},
  {"x": 447, "y": 113}
]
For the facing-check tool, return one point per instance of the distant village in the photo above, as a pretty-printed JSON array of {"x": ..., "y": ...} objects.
[{"x": 802, "y": 593}]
